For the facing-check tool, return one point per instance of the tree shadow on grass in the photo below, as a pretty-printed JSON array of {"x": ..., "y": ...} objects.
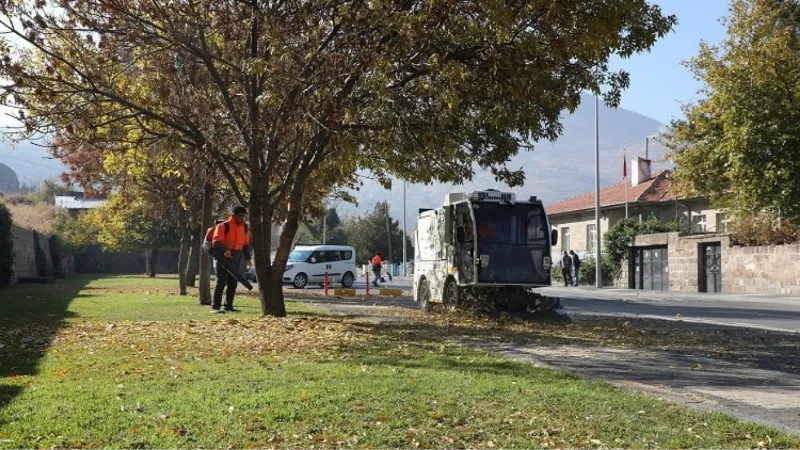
[
  {"x": 416, "y": 345},
  {"x": 30, "y": 317},
  {"x": 609, "y": 349}
]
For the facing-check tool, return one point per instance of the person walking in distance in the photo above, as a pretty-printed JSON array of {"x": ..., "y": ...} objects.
[
  {"x": 233, "y": 240},
  {"x": 576, "y": 267},
  {"x": 377, "y": 265},
  {"x": 566, "y": 269}
]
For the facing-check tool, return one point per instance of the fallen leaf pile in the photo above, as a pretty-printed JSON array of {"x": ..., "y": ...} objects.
[{"x": 198, "y": 338}]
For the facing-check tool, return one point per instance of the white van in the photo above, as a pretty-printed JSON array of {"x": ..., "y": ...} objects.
[{"x": 308, "y": 264}]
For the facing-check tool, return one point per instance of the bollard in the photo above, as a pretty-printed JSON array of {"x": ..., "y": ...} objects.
[
  {"x": 367, "y": 293},
  {"x": 326, "y": 283}
]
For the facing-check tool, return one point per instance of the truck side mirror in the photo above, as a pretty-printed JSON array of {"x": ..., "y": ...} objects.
[
  {"x": 461, "y": 236},
  {"x": 554, "y": 236}
]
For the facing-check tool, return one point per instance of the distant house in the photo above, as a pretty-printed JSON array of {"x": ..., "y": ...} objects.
[
  {"x": 76, "y": 204},
  {"x": 648, "y": 195}
]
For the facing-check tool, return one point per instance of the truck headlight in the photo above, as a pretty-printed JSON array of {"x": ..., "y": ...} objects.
[{"x": 547, "y": 263}]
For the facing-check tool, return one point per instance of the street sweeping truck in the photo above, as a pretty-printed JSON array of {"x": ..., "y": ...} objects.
[{"x": 484, "y": 248}]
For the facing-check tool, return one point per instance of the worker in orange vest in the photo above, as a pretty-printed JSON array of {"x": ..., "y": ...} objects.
[
  {"x": 233, "y": 240},
  {"x": 377, "y": 265}
]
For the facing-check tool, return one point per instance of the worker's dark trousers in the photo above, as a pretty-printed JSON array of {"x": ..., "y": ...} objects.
[{"x": 225, "y": 279}]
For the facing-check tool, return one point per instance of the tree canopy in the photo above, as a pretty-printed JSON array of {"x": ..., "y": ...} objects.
[
  {"x": 313, "y": 231},
  {"x": 740, "y": 144},
  {"x": 128, "y": 226},
  {"x": 289, "y": 99},
  {"x": 378, "y": 232}
]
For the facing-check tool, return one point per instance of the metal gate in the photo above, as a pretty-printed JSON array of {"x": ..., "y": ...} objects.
[
  {"x": 651, "y": 269},
  {"x": 712, "y": 267}
]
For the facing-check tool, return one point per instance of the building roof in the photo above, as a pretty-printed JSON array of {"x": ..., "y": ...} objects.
[
  {"x": 69, "y": 202},
  {"x": 656, "y": 189}
]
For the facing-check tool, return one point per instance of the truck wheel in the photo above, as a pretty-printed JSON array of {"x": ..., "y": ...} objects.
[
  {"x": 424, "y": 295},
  {"x": 450, "y": 296}
]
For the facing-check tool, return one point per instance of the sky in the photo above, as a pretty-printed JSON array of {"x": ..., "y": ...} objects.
[{"x": 659, "y": 83}]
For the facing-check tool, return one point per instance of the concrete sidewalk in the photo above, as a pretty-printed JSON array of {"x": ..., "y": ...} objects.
[{"x": 764, "y": 396}]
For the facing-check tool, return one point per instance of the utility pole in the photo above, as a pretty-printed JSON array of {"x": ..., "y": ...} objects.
[
  {"x": 325, "y": 227},
  {"x": 388, "y": 230},
  {"x": 598, "y": 271},
  {"x": 405, "y": 261}
]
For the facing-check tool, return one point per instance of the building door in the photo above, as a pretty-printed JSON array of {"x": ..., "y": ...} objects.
[
  {"x": 712, "y": 267},
  {"x": 651, "y": 269}
]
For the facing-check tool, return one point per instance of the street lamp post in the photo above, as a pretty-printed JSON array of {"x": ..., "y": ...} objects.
[
  {"x": 598, "y": 271},
  {"x": 405, "y": 262}
]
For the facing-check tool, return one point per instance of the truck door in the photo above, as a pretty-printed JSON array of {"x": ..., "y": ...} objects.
[{"x": 464, "y": 249}]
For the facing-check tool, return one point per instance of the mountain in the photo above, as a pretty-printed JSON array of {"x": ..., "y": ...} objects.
[
  {"x": 32, "y": 163},
  {"x": 554, "y": 171}
]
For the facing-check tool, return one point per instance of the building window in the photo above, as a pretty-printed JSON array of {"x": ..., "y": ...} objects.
[
  {"x": 653, "y": 213},
  {"x": 722, "y": 223},
  {"x": 591, "y": 237},
  {"x": 565, "y": 239},
  {"x": 699, "y": 223}
]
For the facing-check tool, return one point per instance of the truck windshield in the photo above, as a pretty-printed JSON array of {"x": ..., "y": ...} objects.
[
  {"x": 520, "y": 224},
  {"x": 513, "y": 239}
]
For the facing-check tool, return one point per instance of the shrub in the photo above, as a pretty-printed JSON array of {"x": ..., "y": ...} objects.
[
  {"x": 619, "y": 239},
  {"x": 6, "y": 246},
  {"x": 56, "y": 255},
  {"x": 762, "y": 229},
  {"x": 40, "y": 259},
  {"x": 588, "y": 271},
  {"x": 555, "y": 273}
]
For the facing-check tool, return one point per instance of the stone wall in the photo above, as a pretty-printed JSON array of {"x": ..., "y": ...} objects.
[
  {"x": 767, "y": 269},
  {"x": 770, "y": 269},
  {"x": 25, "y": 256},
  {"x": 25, "y": 253}
]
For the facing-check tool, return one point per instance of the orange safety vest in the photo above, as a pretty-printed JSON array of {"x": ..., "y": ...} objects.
[
  {"x": 376, "y": 260},
  {"x": 235, "y": 239}
]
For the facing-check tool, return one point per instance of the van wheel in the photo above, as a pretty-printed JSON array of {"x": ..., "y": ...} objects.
[
  {"x": 300, "y": 281},
  {"x": 450, "y": 296},
  {"x": 424, "y": 295},
  {"x": 347, "y": 280}
]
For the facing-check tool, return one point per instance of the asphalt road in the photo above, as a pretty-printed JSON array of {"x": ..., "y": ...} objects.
[
  {"x": 772, "y": 312},
  {"x": 778, "y": 313}
]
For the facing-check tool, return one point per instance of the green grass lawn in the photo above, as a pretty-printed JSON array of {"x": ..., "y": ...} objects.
[
  {"x": 119, "y": 298},
  {"x": 123, "y": 362}
]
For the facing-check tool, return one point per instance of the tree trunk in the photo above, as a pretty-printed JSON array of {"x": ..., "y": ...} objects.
[
  {"x": 269, "y": 273},
  {"x": 183, "y": 258},
  {"x": 204, "y": 262},
  {"x": 194, "y": 257},
  {"x": 152, "y": 258},
  {"x": 271, "y": 291}
]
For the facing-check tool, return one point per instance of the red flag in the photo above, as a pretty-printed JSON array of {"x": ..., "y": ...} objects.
[{"x": 624, "y": 165}]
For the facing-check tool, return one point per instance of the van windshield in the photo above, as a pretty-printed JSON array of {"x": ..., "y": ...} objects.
[{"x": 299, "y": 256}]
